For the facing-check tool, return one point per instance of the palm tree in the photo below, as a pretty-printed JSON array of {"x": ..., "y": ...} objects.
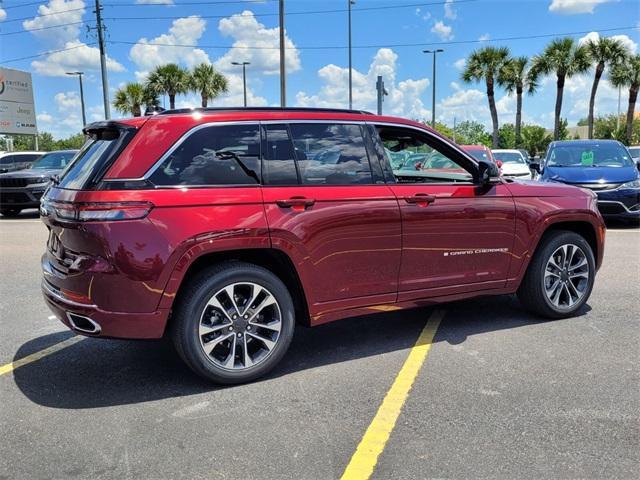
[
  {"x": 628, "y": 75},
  {"x": 169, "y": 79},
  {"x": 565, "y": 58},
  {"x": 485, "y": 64},
  {"x": 514, "y": 77},
  {"x": 206, "y": 81},
  {"x": 604, "y": 52},
  {"x": 130, "y": 98}
]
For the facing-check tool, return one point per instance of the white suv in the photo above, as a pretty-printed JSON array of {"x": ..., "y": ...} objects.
[{"x": 513, "y": 164}]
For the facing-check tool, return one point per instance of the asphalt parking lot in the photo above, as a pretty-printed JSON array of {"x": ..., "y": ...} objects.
[{"x": 501, "y": 394}]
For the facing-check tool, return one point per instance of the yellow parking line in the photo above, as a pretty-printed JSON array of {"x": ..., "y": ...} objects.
[
  {"x": 365, "y": 458},
  {"x": 10, "y": 367}
]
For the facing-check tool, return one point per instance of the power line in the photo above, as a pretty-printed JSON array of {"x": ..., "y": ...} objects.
[
  {"x": 33, "y": 17},
  {"x": 20, "y": 5},
  {"x": 179, "y": 4},
  {"x": 11, "y": 60},
  {"x": 43, "y": 28},
  {"x": 393, "y": 45}
]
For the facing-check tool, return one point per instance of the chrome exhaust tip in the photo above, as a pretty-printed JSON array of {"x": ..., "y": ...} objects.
[{"x": 83, "y": 324}]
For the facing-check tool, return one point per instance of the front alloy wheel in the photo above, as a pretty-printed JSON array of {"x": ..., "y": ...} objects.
[{"x": 566, "y": 276}]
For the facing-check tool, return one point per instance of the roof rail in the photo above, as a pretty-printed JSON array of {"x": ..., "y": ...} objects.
[{"x": 261, "y": 109}]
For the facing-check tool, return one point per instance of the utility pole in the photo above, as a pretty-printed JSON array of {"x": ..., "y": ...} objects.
[
  {"x": 381, "y": 93},
  {"x": 283, "y": 72},
  {"x": 84, "y": 116},
  {"x": 433, "y": 99},
  {"x": 244, "y": 78},
  {"x": 350, "y": 2},
  {"x": 103, "y": 60}
]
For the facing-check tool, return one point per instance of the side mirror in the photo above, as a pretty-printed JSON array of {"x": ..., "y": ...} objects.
[
  {"x": 488, "y": 173},
  {"x": 499, "y": 163},
  {"x": 535, "y": 167}
]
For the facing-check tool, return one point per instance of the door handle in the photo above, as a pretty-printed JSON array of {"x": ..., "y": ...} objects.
[
  {"x": 420, "y": 199},
  {"x": 296, "y": 203}
]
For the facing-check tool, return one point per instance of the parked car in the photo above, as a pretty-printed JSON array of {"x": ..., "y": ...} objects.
[
  {"x": 222, "y": 228},
  {"x": 479, "y": 152},
  {"x": 526, "y": 155},
  {"x": 603, "y": 166},
  {"x": 635, "y": 153},
  {"x": 23, "y": 189},
  {"x": 11, "y": 161},
  {"x": 512, "y": 164}
]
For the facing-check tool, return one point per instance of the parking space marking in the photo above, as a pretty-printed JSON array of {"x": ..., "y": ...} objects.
[
  {"x": 365, "y": 458},
  {"x": 10, "y": 367}
]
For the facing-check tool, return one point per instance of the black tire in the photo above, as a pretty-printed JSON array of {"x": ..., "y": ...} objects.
[
  {"x": 191, "y": 304},
  {"x": 532, "y": 289},
  {"x": 10, "y": 212}
]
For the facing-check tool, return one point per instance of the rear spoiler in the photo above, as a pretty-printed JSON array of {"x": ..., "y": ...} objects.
[{"x": 106, "y": 129}]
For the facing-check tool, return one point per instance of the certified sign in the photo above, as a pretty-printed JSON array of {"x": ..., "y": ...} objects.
[{"x": 17, "y": 113}]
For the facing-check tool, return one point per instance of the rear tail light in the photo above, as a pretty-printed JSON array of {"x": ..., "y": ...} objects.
[{"x": 97, "y": 212}]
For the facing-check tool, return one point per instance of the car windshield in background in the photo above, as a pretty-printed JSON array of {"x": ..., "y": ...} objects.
[
  {"x": 509, "y": 157},
  {"x": 54, "y": 160},
  {"x": 635, "y": 152},
  {"x": 478, "y": 154},
  {"x": 594, "y": 155}
]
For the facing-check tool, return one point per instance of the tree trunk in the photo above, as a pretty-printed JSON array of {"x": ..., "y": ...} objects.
[
  {"x": 136, "y": 110},
  {"x": 556, "y": 121},
  {"x": 518, "y": 116},
  {"x": 592, "y": 100},
  {"x": 633, "y": 96},
  {"x": 172, "y": 100},
  {"x": 205, "y": 101},
  {"x": 494, "y": 113}
]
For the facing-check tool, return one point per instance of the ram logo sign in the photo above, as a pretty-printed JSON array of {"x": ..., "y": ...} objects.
[{"x": 17, "y": 112}]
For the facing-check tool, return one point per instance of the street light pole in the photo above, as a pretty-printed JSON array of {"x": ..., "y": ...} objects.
[
  {"x": 433, "y": 80},
  {"x": 349, "y": 3},
  {"x": 84, "y": 116},
  {"x": 283, "y": 72},
  {"x": 244, "y": 78}
]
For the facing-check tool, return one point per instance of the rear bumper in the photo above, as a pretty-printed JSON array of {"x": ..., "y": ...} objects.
[{"x": 109, "y": 324}]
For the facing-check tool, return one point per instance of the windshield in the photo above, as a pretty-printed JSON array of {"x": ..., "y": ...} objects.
[
  {"x": 509, "y": 157},
  {"x": 478, "y": 154},
  {"x": 589, "y": 155},
  {"x": 635, "y": 152},
  {"x": 53, "y": 160}
]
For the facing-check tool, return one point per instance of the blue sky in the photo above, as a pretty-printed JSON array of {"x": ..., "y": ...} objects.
[{"x": 316, "y": 77}]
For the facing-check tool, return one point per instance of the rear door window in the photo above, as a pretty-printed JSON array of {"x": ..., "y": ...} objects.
[
  {"x": 213, "y": 155},
  {"x": 278, "y": 165},
  {"x": 331, "y": 154}
]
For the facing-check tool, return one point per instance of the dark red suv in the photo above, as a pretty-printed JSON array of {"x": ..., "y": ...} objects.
[{"x": 223, "y": 228}]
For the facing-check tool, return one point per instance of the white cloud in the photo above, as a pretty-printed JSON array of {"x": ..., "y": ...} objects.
[
  {"x": 404, "y": 97},
  {"x": 449, "y": 12},
  {"x": 472, "y": 104},
  {"x": 484, "y": 37},
  {"x": 247, "y": 31},
  {"x": 79, "y": 57},
  {"x": 460, "y": 63},
  {"x": 441, "y": 30},
  {"x": 624, "y": 39},
  {"x": 148, "y": 54},
  {"x": 67, "y": 101},
  {"x": 57, "y": 12},
  {"x": 3, "y": 14},
  {"x": 44, "y": 118},
  {"x": 572, "y": 7}
]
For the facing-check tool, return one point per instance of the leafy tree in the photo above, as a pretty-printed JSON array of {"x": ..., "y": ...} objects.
[
  {"x": 169, "y": 79},
  {"x": 628, "y": 75},
  {"x": 46, "y": 142},
  {"x": 613, "y": 127},
  {"x": 583, "y": 122},
  {"x": 472, "y": 133},
  {"x": 604, "y": 52},
  {"x": 514, "y": 77},
  {"x": 565, "y": 58},
  {"x": 132, "y": 97},
  {"x": 485, "y": 64},
  {"x": 205, "y": 80},
  {"x": 507, "y": 136},
  {"x": 563, "y": 130},
  {"x": 535, "y": 139},
  {"x": 75, "y": 141}
]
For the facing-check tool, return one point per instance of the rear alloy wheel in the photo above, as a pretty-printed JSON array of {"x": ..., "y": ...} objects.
[
  {"x": 560, "y": 276},
  {"x": 233, "y": 323},
  {"x": 10, "y": 212}
]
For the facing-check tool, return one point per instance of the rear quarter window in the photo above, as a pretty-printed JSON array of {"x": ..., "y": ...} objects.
[{"x": 213, "y": 155}]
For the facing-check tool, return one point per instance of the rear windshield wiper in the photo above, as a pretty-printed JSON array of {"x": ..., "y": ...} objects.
[{"x": 234, "y": 156}]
